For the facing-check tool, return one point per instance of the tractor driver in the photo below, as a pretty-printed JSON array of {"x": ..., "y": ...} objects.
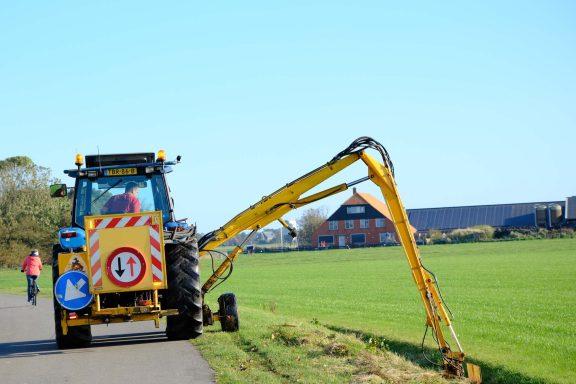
[{"x": 126, "y": 202}]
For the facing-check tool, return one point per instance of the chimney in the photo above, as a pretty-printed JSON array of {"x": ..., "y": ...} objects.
[{"x": 354, "y": 190}]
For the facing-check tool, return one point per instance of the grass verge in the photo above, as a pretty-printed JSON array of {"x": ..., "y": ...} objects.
[{"x": 276, "y": 349}]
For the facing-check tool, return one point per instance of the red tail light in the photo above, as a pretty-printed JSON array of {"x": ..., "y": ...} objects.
[
  {"x": 69, "y": 234},
  {"x": 72, "y": 316}
]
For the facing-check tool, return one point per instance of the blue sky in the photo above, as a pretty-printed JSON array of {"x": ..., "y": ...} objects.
[{"x": 475, "y": 101}]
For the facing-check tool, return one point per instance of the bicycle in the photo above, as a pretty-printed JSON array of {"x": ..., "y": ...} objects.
[{"x": 34, "y": 292}]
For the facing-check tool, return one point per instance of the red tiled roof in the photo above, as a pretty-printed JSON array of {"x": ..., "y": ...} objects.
[{"x": 366, "y": 198}]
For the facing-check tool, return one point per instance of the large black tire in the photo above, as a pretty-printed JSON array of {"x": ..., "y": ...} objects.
[
  {"x": 228, "y": 312},
  {"x": 183, "y": 293},
  {"x": 77, "y": 337}
]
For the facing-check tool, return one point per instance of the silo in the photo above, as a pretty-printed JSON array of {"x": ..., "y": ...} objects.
[
  {"x": 555, "y": 214},
  {"x": 571, "y": 208},
  {"x": 540, "y": 214}
]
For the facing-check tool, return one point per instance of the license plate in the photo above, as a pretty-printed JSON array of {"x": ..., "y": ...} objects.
[{"x": 122, "y": 171}]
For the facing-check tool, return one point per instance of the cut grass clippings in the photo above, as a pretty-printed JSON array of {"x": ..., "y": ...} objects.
[{"x": 274, "y": 349}]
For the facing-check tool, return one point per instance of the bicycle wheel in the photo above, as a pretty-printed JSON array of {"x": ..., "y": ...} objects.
[{"x": 34, "y": 289}]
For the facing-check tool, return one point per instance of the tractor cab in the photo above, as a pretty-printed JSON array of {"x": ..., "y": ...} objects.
[
  {"x": 92, "y": 193},
  {"x": 106, "y": 176}
]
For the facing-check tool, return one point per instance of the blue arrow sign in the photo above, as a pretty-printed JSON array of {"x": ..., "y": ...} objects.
[{"x": 72, "y": 290}]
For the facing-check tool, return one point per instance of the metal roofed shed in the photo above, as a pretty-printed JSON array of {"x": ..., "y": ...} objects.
[{"x": 499, "y": 215}]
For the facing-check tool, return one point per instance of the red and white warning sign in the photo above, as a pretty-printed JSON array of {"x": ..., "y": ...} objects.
[
  {"x": 141, "y": 267},
  {"x": 126, "y": 266}
]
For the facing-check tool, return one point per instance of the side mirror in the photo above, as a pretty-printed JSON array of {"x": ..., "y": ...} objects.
[{"x": 58, "y": 190}]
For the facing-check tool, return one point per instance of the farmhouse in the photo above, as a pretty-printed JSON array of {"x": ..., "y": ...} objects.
[{"x": 364, "y": 220}]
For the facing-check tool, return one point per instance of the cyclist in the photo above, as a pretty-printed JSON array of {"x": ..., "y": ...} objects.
[{"x": 32, "y": 265}]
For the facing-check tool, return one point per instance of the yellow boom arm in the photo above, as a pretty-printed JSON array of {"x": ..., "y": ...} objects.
[{"x": 287, "y": 198}]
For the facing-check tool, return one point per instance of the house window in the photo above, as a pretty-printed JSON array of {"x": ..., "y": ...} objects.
[
  {"x": 380, "y": 223},
  {"x": 332, "y": 225},
  {"x": 349, "y": 224},
  {"x": 387, "y": 237},
  {"x": 364, "y": 223},
  {"x": 358, "y": 238},
  {"x": 325, "y": 241},
  {"x": 355, "y": 209}
]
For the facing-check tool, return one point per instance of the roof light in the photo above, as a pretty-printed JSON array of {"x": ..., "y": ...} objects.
[
  {"x": 79, "y": 160},
  {"x": 161, "y": 155}
]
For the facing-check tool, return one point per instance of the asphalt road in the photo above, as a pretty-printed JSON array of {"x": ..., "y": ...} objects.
[{"x": 120, "y": 353}]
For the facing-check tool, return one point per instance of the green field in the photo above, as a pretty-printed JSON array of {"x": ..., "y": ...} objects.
[
  {"x": 13, "y": 281},
  {"x": 514, "y": 305},
  {"x": 514, "y": 302}
]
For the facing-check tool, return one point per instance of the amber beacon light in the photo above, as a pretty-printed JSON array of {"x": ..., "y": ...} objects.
[{"x": 79, "y": 160}]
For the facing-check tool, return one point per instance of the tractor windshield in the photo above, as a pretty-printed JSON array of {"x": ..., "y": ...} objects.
[{"x": 93, "y": 194}]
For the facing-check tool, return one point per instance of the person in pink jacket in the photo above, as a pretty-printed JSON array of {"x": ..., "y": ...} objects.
[{"x": 32, "y": 265}]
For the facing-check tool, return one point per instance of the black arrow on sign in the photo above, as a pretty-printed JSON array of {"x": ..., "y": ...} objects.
[{"x": 119, "y": 271}]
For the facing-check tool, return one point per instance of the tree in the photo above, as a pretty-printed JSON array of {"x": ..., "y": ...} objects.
[
  {"x": 29, "y": 218},
  {"x": 310, "y": 220}
]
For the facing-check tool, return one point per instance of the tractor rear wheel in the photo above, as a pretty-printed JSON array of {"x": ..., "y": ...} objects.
[
  {"x": 77, "y": 337},
  {"x": 183, "y": 293},
  {"x": 228, "y": 313}
]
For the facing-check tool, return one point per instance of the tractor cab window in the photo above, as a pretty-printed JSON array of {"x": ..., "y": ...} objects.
[{"x": 92, "y": 195}]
